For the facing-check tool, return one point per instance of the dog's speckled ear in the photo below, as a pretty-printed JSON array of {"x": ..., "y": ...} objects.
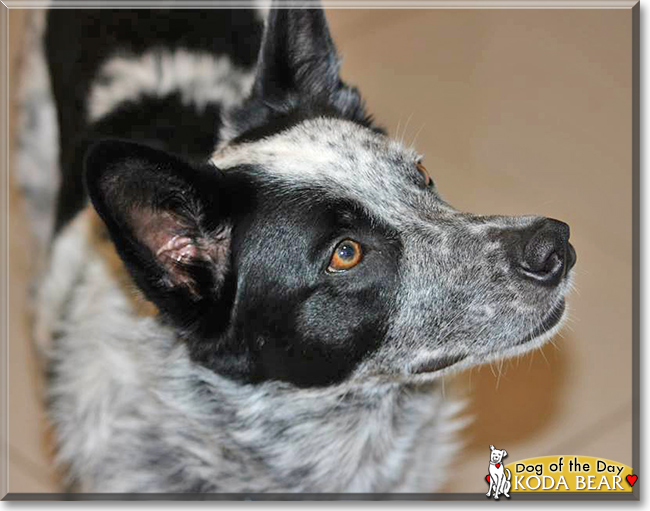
[{"x": 165, "y": 218}]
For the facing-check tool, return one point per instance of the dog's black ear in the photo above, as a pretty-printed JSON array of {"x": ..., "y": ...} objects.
[
  {"x": 298, "y": 68},
  {"x": 297, "y": 55},
  {"x": 167, "y": 220}
]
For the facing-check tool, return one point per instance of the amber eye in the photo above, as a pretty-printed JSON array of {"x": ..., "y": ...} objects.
[
  {"x": 347, "y": 254},
  {"x": 428, "y": 182}
]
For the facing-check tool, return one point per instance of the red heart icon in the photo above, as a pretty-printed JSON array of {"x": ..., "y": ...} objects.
[
  {"x": 487, "y": 478},
  {"x": 498, "y": 465},
  {"x": 631, "y": 479}
]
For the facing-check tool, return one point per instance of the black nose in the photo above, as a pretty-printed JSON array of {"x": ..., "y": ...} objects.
[{"x": 547, "y": 255}]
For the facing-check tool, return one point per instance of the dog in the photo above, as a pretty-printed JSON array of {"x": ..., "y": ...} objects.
[
  {"x": 250, "y": 287},
  {"x": 499, "y": 475}
]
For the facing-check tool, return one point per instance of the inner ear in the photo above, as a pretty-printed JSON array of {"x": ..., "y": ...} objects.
[
  {"x": 167, "y": 219},
  {"x": 180, "y": 247}
]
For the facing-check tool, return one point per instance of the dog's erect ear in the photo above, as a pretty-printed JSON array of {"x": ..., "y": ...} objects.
[
  {"x": 167, "y": 220},
  {"x": 491, "y": 448},
  {"x": 297, "y": 77},
  {"x": 298, "y": 66},
  {"x": 297, "y": 55}
]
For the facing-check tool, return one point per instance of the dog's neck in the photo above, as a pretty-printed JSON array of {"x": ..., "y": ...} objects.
[{"x": 347, "y": 436}]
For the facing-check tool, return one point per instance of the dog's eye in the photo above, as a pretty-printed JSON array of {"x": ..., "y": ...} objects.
[
  {"x": 426, "y": 179},
  {"x": 347, "y": 254}
]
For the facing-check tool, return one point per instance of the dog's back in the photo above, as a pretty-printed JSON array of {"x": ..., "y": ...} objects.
[{"x": 159, "y": 77}]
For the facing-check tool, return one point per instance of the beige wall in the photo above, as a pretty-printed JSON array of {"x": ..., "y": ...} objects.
[{"x": 517, "y": 112}]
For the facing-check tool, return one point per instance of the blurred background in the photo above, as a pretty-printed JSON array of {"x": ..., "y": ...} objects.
[{"x": 517, "y": 112}]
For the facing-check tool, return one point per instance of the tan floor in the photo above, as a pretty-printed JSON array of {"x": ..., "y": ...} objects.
[{"x": 518, "y": 112}]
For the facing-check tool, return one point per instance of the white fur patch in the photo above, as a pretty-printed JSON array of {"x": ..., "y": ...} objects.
[
  {"x": 337, "y": 157},
  {"x": 200, "y": 78}
]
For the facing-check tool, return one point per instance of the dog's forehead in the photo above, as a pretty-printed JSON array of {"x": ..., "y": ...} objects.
[{"x": 340, "y": 159}]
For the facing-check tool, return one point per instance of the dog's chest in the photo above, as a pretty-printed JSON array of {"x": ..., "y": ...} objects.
[{"x": 496, "y": 468}]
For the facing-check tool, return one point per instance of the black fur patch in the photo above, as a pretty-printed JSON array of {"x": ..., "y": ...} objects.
[{"x": 301, "y": 323}]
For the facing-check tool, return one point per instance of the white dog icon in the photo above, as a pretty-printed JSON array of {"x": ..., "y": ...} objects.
[{"x": 499, "y": 475}]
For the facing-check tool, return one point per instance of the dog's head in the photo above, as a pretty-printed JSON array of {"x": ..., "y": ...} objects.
[
  {"x": 313, "y": 249},
  {"x": 496, "y": 455}
]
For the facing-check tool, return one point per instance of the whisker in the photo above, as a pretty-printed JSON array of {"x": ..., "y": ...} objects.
[
  {"x": 415, "y": 138},
  {"x": 406, "y": 128}
]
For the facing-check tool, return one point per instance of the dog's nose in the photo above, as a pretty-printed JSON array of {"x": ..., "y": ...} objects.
[{"x": 547, "y": 255}]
